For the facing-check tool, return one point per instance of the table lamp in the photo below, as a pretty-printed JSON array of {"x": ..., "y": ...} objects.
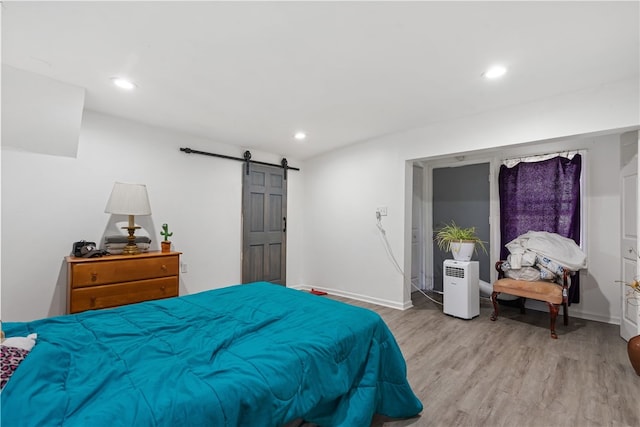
[{"x": 129, "y": 199}]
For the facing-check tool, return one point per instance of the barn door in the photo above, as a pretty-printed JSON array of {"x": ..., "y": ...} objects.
[{"x": 264, "y": 223}]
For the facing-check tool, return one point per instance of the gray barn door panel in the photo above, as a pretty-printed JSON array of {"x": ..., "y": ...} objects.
[{"x": 264, "y": 212}]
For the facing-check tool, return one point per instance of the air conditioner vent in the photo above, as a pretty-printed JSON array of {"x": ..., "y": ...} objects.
[{"x": 454, "y": 272}]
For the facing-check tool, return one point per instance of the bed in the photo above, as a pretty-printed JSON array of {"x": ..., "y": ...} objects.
[{"x": 245, "y": 355}]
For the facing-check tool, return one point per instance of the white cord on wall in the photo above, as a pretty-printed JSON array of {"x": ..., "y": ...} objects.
[{"x": 387, "y": 247}]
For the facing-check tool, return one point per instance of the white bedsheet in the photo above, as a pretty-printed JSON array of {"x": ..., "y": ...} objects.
[{"x": 559, "y": 249}]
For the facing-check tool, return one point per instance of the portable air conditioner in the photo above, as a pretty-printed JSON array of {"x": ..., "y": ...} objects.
[{"x": 461, "y": 288}]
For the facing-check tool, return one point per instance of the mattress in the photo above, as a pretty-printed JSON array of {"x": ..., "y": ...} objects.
[{"x": 245, "y": 355}]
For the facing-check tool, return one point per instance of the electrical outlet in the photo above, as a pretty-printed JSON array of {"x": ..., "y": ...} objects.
[
  {"x": 382, "y": 210},
  {"x": 184, "y": 268}
]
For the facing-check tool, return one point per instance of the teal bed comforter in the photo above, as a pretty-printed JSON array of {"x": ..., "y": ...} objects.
[{"x": 246, "y": 355}]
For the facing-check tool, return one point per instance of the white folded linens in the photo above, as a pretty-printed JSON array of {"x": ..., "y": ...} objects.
[{"x": 116, "y": 248}]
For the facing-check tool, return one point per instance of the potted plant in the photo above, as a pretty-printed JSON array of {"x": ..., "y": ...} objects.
[
  {"x": 460, "y": 241},
  {"x": 166, "y": 244}
]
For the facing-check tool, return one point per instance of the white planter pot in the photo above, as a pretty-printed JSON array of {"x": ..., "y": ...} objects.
[{"x": 462, "y": 251}]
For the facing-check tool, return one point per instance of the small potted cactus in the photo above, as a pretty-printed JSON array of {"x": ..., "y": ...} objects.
[{"x": 166, "y": 243}]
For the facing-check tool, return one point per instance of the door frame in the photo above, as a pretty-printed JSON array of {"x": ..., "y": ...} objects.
[
  {"x": 419, "y": 225},
  {"x": 494, "y": 209},
  {"x": 628, "y": 247}
]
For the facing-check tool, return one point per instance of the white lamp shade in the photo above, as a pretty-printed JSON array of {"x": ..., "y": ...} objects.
[{"x": 128, "y": 199}]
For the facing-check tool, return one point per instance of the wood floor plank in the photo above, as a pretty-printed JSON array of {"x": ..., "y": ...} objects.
[{"x": 510, "y": 372}]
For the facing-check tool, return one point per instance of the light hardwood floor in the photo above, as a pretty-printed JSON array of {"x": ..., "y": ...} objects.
[{"x": 510, "y": 372}]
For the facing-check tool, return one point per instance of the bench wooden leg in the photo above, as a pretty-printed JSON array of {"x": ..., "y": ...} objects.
[
  {"x": 494, "y": 301},
  {"x": 553, "y": 313},
  {"x": 565, "y": 313},
  {"x": 522, "y": 301}
]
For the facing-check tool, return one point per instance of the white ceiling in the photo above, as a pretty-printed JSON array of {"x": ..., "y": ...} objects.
[{"x": 251, "y": 74}]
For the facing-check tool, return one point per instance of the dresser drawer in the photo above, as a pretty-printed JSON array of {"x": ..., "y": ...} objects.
[
  {"x": 104, "y": 296},
  {"x": 114, "y": 271}
]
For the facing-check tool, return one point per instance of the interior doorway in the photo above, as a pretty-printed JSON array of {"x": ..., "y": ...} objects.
[{"x": 462, "y": 194}]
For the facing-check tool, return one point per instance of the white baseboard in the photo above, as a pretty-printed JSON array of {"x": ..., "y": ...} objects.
[
  {"x": 532, "y": 305},
  {"x": 540, "y": 306},
  {"x": 594, "y": 317},
  {"x": 357, "y": 297}
]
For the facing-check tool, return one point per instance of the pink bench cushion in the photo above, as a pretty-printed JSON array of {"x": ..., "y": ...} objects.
[{"x": 539, "y": 290}]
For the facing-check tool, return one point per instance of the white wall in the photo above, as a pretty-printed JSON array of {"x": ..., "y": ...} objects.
[
  {"x": 40, "y": 114},
  {"x": 333, "y": 243},
  {"x": 48, "y": 202},
  {"x": 342, "y": 249},
  {"x": 344, "y": 252}
]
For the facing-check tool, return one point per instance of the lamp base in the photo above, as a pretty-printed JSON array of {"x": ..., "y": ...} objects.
[{"x": 131, "y": 248}]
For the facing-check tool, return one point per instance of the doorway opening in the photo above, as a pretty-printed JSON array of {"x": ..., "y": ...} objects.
[
  {"x": 447, "y": 190},
  {"x": 461, "y": 194}
]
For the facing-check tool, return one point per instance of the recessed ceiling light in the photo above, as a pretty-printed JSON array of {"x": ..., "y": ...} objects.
[
  {"x": 495, "y": 72},
  {"x": 300, "y": 136},
  {"x": 123, "y": 83}
]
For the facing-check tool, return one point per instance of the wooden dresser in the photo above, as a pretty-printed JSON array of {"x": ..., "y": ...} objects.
[{"x": 115, "y": 280}]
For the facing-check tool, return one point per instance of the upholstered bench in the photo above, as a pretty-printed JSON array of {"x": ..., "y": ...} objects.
[{"x": 552, "y": 293}]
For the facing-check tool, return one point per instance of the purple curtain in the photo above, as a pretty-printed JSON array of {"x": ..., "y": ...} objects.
[{"x": 541, "y": 196}]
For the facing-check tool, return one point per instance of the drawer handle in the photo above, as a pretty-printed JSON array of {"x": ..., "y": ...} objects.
[
  {"x": 163, "y": 267},
  {"x": 94, "y": 277},
  {"x": 93, "y": 301},
  {"x": 162, "y": 288}
]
